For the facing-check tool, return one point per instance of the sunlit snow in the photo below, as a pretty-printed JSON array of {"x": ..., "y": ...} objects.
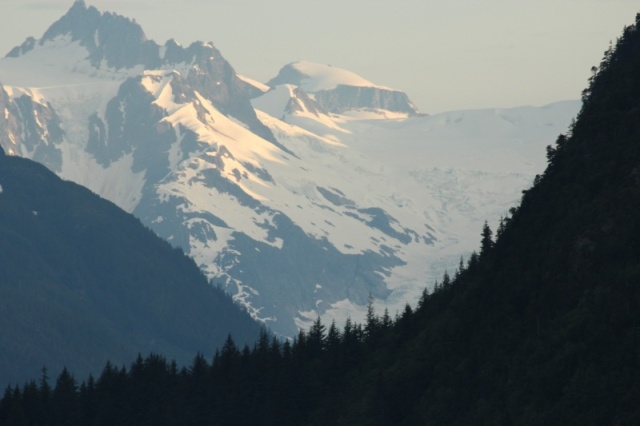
[{"x": 326, "y": 77}]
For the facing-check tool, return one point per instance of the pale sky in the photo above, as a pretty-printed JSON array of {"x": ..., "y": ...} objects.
[{"x": 446, "y": 54}]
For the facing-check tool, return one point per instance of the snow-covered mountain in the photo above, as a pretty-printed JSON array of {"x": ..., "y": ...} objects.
[
  {"x": 301, "y": 197},
  {"x": 336, "y": 90}
]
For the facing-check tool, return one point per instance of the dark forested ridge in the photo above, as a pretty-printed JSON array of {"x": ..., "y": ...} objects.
[
  {"x": 542, "y": 326},
  {"x": 82, "y": 282}
]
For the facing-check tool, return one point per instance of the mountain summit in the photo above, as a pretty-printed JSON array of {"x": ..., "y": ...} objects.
[
  {"x": 338, "y": 90},
  {"x": 118, "y": 41}
]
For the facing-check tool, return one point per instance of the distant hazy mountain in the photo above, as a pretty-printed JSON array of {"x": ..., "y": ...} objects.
[
  {"x": 337, "y": 90},
  {"x": 82, "y": 282},
  {"x": 301, "y": 199}
]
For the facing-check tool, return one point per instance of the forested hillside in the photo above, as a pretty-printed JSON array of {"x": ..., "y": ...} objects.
[
  {"x": 541, "y": 326},
  {"x": 83, "y": 282}
]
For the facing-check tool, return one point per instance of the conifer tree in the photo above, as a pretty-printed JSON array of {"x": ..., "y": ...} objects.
[
  {"x": 487, "y": 239},
  {"x": 372, "y": 321},
  {"x": 316, "y": 338},
  {"x": 64, "y": 401}
]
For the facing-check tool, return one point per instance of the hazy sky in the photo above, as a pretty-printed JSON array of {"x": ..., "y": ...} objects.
[{"x": 446, "y": 54}]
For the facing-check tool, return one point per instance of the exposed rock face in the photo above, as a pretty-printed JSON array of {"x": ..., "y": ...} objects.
[
  {"x": 344, "y": 98},
  {"x": 9, "y": 124},
  {"x": 134, "y": 125},
  {"x": 30, "y": 128},
  {"x": 288, "y": 74},
  {"x": 300, "y": 102},
  {"x": 26, "y": 46},
  {"x": 117, "y": 40},
  {"x": 336, "y": 90}
]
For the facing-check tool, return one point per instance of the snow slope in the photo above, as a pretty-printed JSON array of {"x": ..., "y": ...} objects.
[
  {"x": 314, "y": 77},
  {"x": 447, "y": 172},
  {"x": 340, "y": 91}
]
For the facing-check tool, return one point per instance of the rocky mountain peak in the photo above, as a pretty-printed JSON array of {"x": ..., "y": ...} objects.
[
  {"x": 80, "y": 22},
  {"x": 108, "y": 37}
]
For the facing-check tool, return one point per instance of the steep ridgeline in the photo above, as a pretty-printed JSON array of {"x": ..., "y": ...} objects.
[
  {"x": 82, "y": 282},
  {"x": 541, "y": 327},
  {"x": 298, "y": 202}
]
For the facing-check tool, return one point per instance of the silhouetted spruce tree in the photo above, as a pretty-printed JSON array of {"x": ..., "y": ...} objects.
[
  {"x": 198, "y": 397},
  {"x": 31, "y": 404},
  {"x": 87, "y": 401},
  {"x": 229, "y": 355},
  {"x": 372, "y": 322},
  {"x": 487, "y": 239},
  {"x": 316, "y": 338},
  {"x": 446, "y": 280},
  {"x": 386, "y": 322},
  {"x": 12, "y": 411},
  {"x": 333, "y": 347},
  {"x": 64, "y": 402},
  {"x": 45, "y": 390}
]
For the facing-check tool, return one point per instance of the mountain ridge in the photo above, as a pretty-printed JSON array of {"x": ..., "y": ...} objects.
[
  {"x": 213, "y": 164},
  {"x": 338, "y": 90}
]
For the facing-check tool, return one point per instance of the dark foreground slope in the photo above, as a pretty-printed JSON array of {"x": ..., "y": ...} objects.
[
  {"x": 82, "y": 282},
  {"x": 542, "y": 327}
]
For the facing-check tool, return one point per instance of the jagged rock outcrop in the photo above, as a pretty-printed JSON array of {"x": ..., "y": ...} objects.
[{"x": 344, "y": 98}]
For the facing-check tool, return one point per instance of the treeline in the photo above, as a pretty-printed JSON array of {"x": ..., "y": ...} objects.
[
  {"x": 273, "y": 382},
  {"x": 471, "y": 352},
  {"x": 372, "y": 373}
]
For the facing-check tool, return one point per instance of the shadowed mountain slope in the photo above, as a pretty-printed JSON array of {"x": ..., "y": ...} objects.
[{"x": 83, "y": 282}]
